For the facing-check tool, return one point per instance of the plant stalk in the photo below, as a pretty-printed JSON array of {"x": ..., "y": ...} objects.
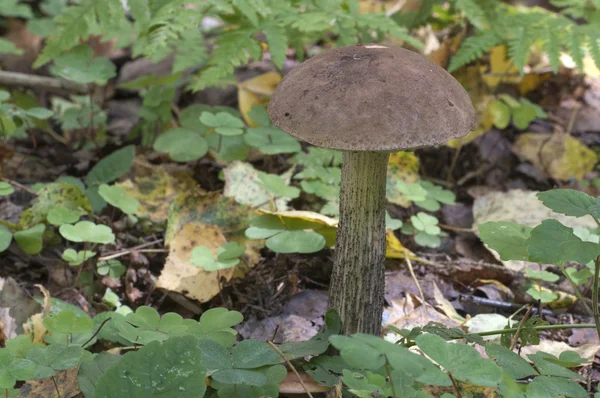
[
  {"x": 357, "y": 280},
  {"x": 595, "y": 287}
]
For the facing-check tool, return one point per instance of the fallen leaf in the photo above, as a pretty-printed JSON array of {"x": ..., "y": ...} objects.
[
  {"x": 586, "y": 351},
  {"x": 256, "y": 91},
  {"x": 292, "y": 385},
  {"x": 485, "y": 117},
  {"x": 559, "y": 155},
  {"x": 66, "y": 382},
  {"x": 502, "y": 69},
  {"x": 180, "y": 276},
  {"x": 402, "y": 166},
  {"x": 445, "y": 306},
  {"x": 15, "y": 307}
]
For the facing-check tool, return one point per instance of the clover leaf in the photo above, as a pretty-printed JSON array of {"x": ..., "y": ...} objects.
[
  {"x": 6, "y": 189},
  {"x": 224, "y": 123},
  {"x": 79, "y": 65},
  {"x": 13, "y": 369},
  {"x": 31, "y": 240},
  {"x": 227, "y": 256},
  {"x": 117, "y": 197},
  {"x": 277, "y": 186},
  {"x": 67, "y": 322},
  {"x": 113, "y": 268},
  {"x": 75, "y": 258},
  {"x": 87, "y": 231},
  {"x": 53, "y": 358},
  {"x": 182, "y": 145}
]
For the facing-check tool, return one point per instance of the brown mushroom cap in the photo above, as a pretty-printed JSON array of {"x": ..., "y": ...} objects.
[{"x": 371, "y": 98}]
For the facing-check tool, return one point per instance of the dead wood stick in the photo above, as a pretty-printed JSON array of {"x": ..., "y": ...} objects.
[{"x": 14, "y": 79}]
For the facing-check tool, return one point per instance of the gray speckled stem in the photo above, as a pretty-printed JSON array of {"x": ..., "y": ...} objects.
[{"x": 357, "y": 281}]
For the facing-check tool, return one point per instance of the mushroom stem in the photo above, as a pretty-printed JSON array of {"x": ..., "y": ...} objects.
[{"x": 357, "y": 281}]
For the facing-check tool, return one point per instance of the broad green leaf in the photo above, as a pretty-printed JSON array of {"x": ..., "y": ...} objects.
[
  {"x": 240, "y": 376},
  {"x": 117, "y": 197},
  {"x": 580, "y": 277},
  {"x": 113, "y": 268},
  {"x": 507, "y": 238},
  {"x": 75, "y": 258},
  {"x": 500, "y": 114},
  {"x": 87, "y": 231},
  {"x": 112, "y": 167},
  {"x": 567, "y": 201},
  {"x": 53, "y": 358},
  {"x": 171, "y": 369},
  {"x": 21, "y": 344},
  {"x": 5, "y": 238},
  {"x": 523, "y": 116},
  {"x": 224, "y": 123},
  {"x": 471, "y": 368},
  {"x": 547, "y": 366},
  {"x": 182, "y": 145},
  {"x": 554, "y": 387},
  {"x": 277, "y": 186},
  {"x": 553, "y": 243},
  {"x": 39, "y": 113},
  {"x": 227, "y": 148},
  {"x": 13, "y": 369},
  {"x": 62, "y": 215},
  {"x": 31, "y": 240},
  {"x": 296, "y": 242},
  {"x": 392, "y": 223},
  {"x": 68, "y": 322},
  {"x": 427, "y": 240},
  {"x": 6, "y": 189},
  {"x": 512, "y": 363},
  {"x": 249, "y": 354},
  {"x": 8, "y": 47},
  {"x": 90, "y": 371},
  {"x": 358, "y": 354}
]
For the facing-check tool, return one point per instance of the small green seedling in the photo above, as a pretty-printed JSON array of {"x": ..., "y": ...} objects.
[{"x": 228, "y": 256}]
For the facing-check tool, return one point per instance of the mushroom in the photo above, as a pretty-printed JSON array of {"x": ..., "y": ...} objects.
[{"x": 368, "y": 101}]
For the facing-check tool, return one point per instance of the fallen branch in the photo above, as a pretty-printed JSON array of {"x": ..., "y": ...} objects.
[{"x": 14, "y": 79}]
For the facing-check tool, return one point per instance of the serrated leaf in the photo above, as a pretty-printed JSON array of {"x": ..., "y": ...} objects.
[
  {"x": 249, "y": 354},
  {"x": 553, "y": 243},
  {"x": 567, "y": 201},
  {"x": 512, "y": 363},
  {"x": 278, "y": 43},
  {"x": 507, "y": 238}
]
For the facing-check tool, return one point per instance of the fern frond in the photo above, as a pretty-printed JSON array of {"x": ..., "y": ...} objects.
[
  {"x": 191, "y": 51},
  {"x": 473, "y": 12},
  {"x": 552, "y": 46},
  {"x": 382, "y": 24},
  {"x": 519, "y": 46},
  {"x": 78, "y": 22},
  {"x": 574, "y": 45},
  {"x": 594, "y": 45},
  {"x": 278, "y": 43},
  {"x": 474, "y": 47},
  {"x": 251, "y": 9}
]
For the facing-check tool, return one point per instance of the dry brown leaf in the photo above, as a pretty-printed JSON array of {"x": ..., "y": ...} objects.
[
  {"x": 180, "y": 276},
  {"x": 23, "y": 39},
  {"x": 559, "y": 155},
  {"x": 66, "y": 381},
  {"x": 586, "y": 351},
  {"x": 15, "y": 307},
  {"x": 291, "y": 384}
]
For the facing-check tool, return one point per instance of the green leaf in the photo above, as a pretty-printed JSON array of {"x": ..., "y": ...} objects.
[
  {"x": 278, "y": 43},
  {"x": 203, "y": 257},
  {"x": 5, "y": 238},
  {"x": 8, "y": 47},
  {"x": 507, "y": 238},
  {"x": 6, "y": 189},
  {"x": 542, "y": 295},
  {"x": 427, "y": 240},
  {"x": 471, "y": 368},
  {"x": 75, "y": 258},
  {"x": 277, "y": 186},
  {"x": 31, "y": 240},
  {"x": 271, "y": 140},
  {"x": 90, "y": 371},
  {"x": 13, "y": 369},
  {"x": 216, "y": 324},
  {"x": 512, "y": 363},
  {"x": 580, "y": 277},
  {"x": 541, "y": 275},
  {"x": 111, "y": 167},
  {"x": 567, "y": 201},
  {"x": 500, "y": 114},
  {"x": 117, "y": 197},
  {"x": 545, "y": 364},
  {"x": 553, "y": 243},
  {"x": 296, "y": 242},
  {"x": 425, "y": 223},
  {"x": 113, "y": 268},
  {"x": 249, "y": 354},
  {"x": 68, "y": 322},
  {"x": 358, "y": 354},
  {"x": 182, "y": 145},
  {"x": 224, "y": 123},
  {"x": 554, "y": 387},
  {"x": 11, "y": 8},
  {"x": 173, "y": 367},
  {"x": 240, "y": 376},
  {"x": 523, "y": 116},
  {"x": 392, "y": 223},
  {"x": 53, "y": 358},
  {"x": 87, "y": 231},
  {"x": 79, "y": 65},
  {"x": 39, "y": 113},
  {"x": 51, "y": 198},
  {"x": 63, "y": 215}
]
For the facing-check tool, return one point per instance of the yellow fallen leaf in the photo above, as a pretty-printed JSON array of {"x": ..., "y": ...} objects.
[
  {"x": 564, "y": 301},
  {"x": 502, "y": 69},
  {"x": 256, "y": 91},
  {"x": 402, "y": 166},
  {"x": 559, "y": 155},
  {"x": 485, "y": 122},
  {"x": 180, "y": 276}
]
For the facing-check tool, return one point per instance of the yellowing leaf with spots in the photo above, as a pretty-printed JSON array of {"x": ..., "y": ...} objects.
[
  {"x": 214, "y": 209},
  {"x": 155, "y": 190},
  {"x": 179, "y": 275},
  {"x": 256, "y": 91},
  {"x": 402, "y": 166},
  {"x": 559, "y": 155}
]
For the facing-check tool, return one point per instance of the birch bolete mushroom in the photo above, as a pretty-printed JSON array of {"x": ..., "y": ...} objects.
[{"x": 368, "y": 101}]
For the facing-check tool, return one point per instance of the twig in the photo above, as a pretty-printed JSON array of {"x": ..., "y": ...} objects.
[
  {"x": 19, "y": 185},
  {"x": 56, "y": 386},
  {"x": 456, "y": 389},
  {"x": 515, "y": 338},
  {"x": 412, "y": 274},
  {"x": 456, "y": 229},
  {"x": 127, "y": 251},
  {"x": 13, "y": 79},
  {"x": 97, "y": 331},
  {"x": 282, "y": 355}
]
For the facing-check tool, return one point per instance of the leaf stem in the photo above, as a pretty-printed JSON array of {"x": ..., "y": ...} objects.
[
  {"x": 282, "y": 355},
  {"x": 595, "y": 286},
  {"x": 575, "y": 289}
]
